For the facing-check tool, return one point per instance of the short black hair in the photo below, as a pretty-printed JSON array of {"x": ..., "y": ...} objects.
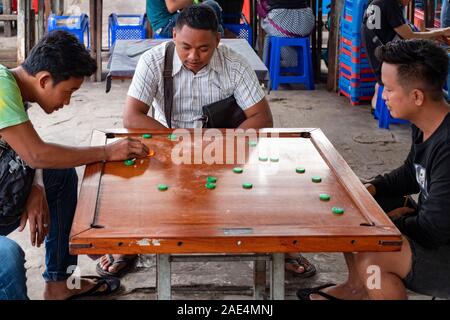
[
  {"x": 62, "y": 55},
  {"x": 417, "y": 61},
  {"x": 198, "y": 17}
]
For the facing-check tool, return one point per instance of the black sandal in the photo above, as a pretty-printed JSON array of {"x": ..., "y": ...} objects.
[
  {"x": 112, "y": 286},
  {"x": 305, "y": 293}
]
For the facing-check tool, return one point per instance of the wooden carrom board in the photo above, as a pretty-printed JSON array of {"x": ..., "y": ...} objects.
[{"x": 121, "y": 210}]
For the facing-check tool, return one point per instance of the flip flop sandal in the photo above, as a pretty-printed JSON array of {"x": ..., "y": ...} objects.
[
  {"x": 130, "y": 263},
  {"x": 112, "y": 286},
  {"x": 309, "y": 268},
  {"x": 305, "y": 293}
]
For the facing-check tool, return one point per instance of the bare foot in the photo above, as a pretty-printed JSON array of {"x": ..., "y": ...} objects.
[
  {"x": 299, "y": 265},
  {"x": 117, "y": 263}
]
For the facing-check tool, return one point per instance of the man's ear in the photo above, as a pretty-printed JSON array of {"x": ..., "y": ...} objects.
[
  {"x": 174, "y": 33},
  {"x": 418, "y": 97},
  {"x": 218, "y": 37},
  {"x": 44, "y": 79}
]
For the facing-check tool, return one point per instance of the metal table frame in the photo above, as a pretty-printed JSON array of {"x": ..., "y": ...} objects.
[{"x": 276, "y": 269}]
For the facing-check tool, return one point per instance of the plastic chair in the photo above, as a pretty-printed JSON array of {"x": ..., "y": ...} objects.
[
  {"x": 77, "y": 25},
  {"x": 133, "y": 28}
]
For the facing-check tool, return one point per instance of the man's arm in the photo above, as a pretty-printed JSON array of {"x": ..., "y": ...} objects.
[
  {"x": 251, "y": 97},
  {"x": 431, "y": 225},
  {"x": 36, "y": 212},
  {"x": 398, "y": 182},
  {"x": 258, "y": 116},
  {"x": 135, "y": 116},
  {"x": 405, "y": 32},
  {"x": 39, "y": 154},
  {"x": 175, "y": 5}
]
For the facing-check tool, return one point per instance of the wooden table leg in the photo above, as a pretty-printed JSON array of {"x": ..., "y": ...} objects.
[
  {"x": 277, "y": 277},
  {"x": 95, "y": 16},
  {"x": 41, "y": 19},
  {"x": 319, "y": 40},
  {"x": 32, "y": 29},
  {"x": 314, "y": 37},
  {"x": 57, "y": 7},
  {"x": 333, "y": 45},
  {"x": 163, "y": 277},
  {"x": 23, "y": 29}
]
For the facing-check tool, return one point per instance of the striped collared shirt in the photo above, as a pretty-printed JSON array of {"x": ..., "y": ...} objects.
[{"x": 227, "y": 74}]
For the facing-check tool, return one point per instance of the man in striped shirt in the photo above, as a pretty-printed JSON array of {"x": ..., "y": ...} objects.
[{"x": 203, "y": 72}]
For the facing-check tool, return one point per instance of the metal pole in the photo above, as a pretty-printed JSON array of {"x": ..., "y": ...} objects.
[
  {"x": 163, "y": 277},
  {"x": 277, "y": 277}
]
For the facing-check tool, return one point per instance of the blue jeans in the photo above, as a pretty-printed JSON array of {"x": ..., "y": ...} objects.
[
  {"x": 61, "y": 189},
  {"x": 166, "y": 31},
  {"x": 445, "y": 14}
]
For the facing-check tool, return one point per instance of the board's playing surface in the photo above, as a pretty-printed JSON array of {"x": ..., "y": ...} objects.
[{"x": 282, "y": 210}]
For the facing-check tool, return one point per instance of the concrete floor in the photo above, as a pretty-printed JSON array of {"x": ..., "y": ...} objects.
[{"x": 353, "y": 131}]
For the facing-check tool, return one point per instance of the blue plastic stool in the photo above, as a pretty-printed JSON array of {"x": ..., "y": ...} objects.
[
  {"x": 119, "y": 30},
  {"x": 382, "y": 112},
  {"x": 304, "y": 66},
  {"x": 77, "y": 25}
]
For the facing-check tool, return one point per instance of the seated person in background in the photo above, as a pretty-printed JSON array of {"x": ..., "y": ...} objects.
[
  {"x": 54, "y": 70},
  {"x": 163, "y": 14},
  {"x": 413, "y": 74},
  {"x": 285, "y": 18},
  {"x": 392, "y": 25},
  {"x": 203, "y": 72}
]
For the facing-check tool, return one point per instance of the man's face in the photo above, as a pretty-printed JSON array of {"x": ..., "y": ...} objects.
[
  {"x": 195, "y": 47},
  {"x": 52, "y": 98},
  {"x": 400, "y": 101}
]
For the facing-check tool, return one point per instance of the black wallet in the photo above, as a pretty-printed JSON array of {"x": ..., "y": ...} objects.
[{"x": 225, "y": 113}]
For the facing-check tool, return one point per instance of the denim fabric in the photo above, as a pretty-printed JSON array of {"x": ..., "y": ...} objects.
[
  {"x": 61, "y": 190},
  {"x": 12, "y": 271}
]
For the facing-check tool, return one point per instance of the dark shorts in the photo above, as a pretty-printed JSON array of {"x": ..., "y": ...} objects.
[{"x": 430, "y": 270}]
